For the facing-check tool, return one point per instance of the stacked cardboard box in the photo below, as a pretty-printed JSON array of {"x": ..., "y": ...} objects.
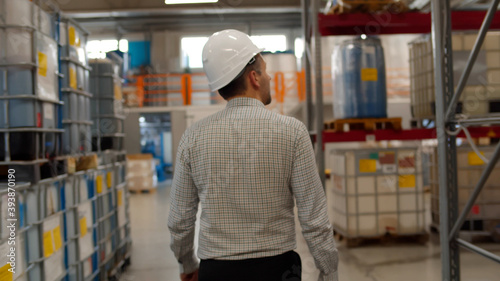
[{"x": 141, "y": 172}]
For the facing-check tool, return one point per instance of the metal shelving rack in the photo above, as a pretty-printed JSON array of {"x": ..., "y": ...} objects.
[
  {"x": 440, "y": 23},
  {"x": 312, "y": 62},
  {"x": 446, "y": 101}
]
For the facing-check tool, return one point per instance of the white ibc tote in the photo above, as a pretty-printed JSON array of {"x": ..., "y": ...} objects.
[{"x": 27, "y": 41}]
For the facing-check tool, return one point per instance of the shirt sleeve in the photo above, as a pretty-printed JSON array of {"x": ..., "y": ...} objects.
[
  {"x": 183, "y": 209},
  {"x": 312, "y": 208}
]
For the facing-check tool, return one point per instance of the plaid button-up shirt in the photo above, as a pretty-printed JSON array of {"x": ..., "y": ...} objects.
[{"x": 246, "y": 165}]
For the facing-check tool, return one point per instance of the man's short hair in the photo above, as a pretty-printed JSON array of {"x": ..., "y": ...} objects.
[{"x": 239, "y": 85}]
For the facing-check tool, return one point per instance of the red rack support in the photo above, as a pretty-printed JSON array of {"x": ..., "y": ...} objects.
[{"x": 389, "y": 23}]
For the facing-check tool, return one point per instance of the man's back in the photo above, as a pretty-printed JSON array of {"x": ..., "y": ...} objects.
[{"x": 241, "y": 162}]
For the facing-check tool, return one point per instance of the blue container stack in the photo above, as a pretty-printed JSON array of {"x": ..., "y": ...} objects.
[{"x": 359, "y": 79}]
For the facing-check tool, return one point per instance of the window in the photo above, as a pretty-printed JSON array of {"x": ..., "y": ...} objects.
[
  {"x": 299, "y": 47},
  {"x": 271, "y": 43},
  {"x": 192, "y": 47},
  {"x": 97, "y": 49}
]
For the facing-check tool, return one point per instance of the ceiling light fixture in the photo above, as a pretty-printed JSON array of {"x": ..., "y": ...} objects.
[{"x": 171, "y": 2}]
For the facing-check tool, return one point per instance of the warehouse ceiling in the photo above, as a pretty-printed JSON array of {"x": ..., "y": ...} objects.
[
  {"x": 130, "y": 16},
  {"x": 127, "y": 16}
]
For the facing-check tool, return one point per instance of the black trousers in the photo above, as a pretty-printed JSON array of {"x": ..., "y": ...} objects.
[{"x": 284, "y": 267}]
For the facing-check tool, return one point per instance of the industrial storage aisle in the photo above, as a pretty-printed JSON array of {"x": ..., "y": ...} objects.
[{"x": 152, "y": 259}]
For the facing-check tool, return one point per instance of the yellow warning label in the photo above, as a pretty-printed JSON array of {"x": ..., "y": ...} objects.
[
  {"x": 369, "y": 74},
  {"x": 48, "y": 246},
  {"x": 72, "y": 36},
  {"x": 109, "y": 179},
  {"x": 72, "y": 78},
  {"x": 98, "y": 183},
  {"x": 118, "y": 92},
  {"x": 474, "y": 159},
  {"x": 57, "y": 238},
  {"x": 42, "y": 64},
  {"x": 367, "y": 166},
  {"x": 407, "y": 181},
  {"x": 83, "y": 226},
  {"x": 120, "y": 199},
  {"x": 5, "y": 274}
]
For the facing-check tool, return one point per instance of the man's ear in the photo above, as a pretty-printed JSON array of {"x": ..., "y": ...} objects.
[{"x": 253, "y": 79}]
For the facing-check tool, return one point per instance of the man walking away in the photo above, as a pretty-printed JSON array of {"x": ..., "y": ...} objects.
[{"x": 247, "y": 166}]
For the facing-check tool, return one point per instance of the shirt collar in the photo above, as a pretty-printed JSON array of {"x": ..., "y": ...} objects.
[{"x": 244, "y": 102}]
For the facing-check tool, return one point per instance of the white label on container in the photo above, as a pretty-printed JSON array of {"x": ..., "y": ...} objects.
[
  {"x": 51, "y": 223},
  {"x": 369, "y": 50},
  {"x": 389, "y": 169},
  {"x": 48, "y": 111},
  {"x": 53, "y": 266}
]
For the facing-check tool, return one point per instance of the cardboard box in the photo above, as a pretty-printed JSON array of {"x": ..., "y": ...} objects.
[
  {"x": 140, "y": 164},
  {"x": 142, "y": 182}
]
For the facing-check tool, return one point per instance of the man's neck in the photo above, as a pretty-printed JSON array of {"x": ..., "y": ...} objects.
[{"x": 247, "y": 95}]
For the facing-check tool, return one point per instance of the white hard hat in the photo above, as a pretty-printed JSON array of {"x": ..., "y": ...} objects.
[{"x": 225, "y": 55}]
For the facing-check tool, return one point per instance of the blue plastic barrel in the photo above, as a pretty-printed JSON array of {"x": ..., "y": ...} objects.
[{"x": 359, "y": 79}]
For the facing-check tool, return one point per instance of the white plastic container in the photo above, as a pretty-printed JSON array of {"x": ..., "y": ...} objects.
[
  {"x": 20, "y": 81},
  {"x": 486, "y": 208},
  {"x": 376, "y": 191},
  {"x": 481, "y": 95},
  {"x": 29, "y": 113},
  {"x": 73, "y": 41},
  {"x": 46, "y": 235},
  {"x": 26, "y": 13},
  {"x": 53, "y": 249},
  {"x": 76, "y": 77},
  {"x": 85, "y": 222}
]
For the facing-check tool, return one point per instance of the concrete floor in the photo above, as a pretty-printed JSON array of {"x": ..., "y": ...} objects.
[{"x": 152, "y": 259}]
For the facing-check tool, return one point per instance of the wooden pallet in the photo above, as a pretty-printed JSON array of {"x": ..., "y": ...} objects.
[
  {"x": 145, "y": 190},
  {"x": 368, "y": 6},
  {"x": 364, "y": 124},
  {"x": 387, "y": 239}
]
